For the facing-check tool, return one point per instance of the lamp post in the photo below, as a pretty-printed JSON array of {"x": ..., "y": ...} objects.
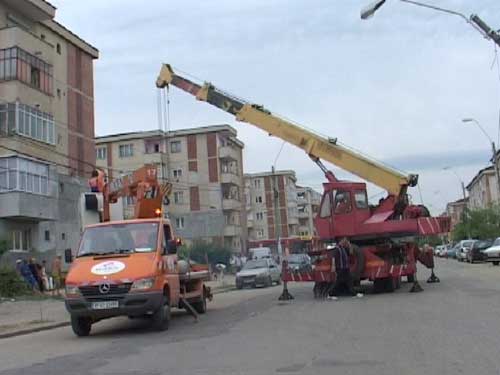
[
  {"x": 494, "y": 159},
  {"x": 474, "y": 20}
]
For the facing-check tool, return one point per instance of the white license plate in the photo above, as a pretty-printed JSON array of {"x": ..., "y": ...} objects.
[{"x": 105, "y": 305}]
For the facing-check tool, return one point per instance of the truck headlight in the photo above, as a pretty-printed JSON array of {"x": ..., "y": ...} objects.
[
  {"x": 143, "y": 284},
  {"x": 72, "y": 289}
]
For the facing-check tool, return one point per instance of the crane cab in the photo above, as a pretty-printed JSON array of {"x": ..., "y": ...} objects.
[{"x": 344, "y": 207}]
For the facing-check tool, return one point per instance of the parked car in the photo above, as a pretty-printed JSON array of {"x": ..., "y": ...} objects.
[
  {"x": 299, "y": 262},
  {"x": 476, "y": 252},
  {"x": 444, "y": 251},
  {"x": 441, "y": 250},
  {"x": 260, "y": 252},
  {"x": 452, "y": 251},
  {"x": 493, "y": 253},
  {"x": 463, "y": 248},
  {"x": 258, "y": 272}
]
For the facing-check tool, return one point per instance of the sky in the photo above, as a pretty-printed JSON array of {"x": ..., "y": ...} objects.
[{"x": 395, "y": 86}]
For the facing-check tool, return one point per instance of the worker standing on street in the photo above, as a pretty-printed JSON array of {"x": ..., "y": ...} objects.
[{"x": 343, "y": 282}]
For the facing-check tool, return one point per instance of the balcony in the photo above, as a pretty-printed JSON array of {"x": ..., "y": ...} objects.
[
  {"x": 230, "y": 178},
  {"x": 34, "y": 207},
  {"x": 232, "y": 230},
  {"x": 303, "y": 214},
  {"x": 231, "y": 204},
  {"x": 16, "y": 36},
  {"x": 226, "y": 152}
]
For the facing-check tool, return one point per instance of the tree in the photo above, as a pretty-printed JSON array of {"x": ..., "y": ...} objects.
[
  {"x": 199, "y": 250},
  {"x": 478, "y": 224}
]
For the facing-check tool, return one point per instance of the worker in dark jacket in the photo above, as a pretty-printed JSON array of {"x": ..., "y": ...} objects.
[{"x": 343, "y": 282}]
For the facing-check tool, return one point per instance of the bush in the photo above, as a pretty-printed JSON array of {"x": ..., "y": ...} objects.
[
  {"x": 11, "y": 284},
  {"x": 4, "y": 246}
]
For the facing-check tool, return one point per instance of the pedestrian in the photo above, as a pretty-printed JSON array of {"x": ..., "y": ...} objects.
[
  {"x": 343, "y": 282},
  {"x": 35, "y": 271},
  {"x": 56, "y": 272},
  {"x": 45, "y": 278},
  {"x": 19, "y": 263},
  {"x": 28, "y": 275}
]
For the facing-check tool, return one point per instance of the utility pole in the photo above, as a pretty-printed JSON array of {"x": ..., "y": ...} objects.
[{"x": 276, "y": 205}]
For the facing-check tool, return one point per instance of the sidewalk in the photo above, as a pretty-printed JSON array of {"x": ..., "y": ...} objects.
[
  {"x": 27, "y": 315},
  {"x": 31, "y": 315}
]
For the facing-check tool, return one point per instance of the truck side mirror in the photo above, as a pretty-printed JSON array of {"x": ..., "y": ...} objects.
[
  {"x": 171, "y": 247},
  {"x": 68, "y": 256}
]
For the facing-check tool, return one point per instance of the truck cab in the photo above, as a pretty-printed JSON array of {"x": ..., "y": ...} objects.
[{"x": 131, "y": 268}]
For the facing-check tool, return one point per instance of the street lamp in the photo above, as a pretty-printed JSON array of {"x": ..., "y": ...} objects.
[
  {"x": 494, "y": 159},
  {"x": 474, "y": 20}
]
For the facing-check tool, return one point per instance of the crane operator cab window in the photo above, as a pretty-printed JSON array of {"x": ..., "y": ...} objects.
[
  {"x": 342, "y": 202},
  {"x": 326, "y": 206}
]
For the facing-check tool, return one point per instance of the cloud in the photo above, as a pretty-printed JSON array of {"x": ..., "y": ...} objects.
[{"x": 395, "y": 87}]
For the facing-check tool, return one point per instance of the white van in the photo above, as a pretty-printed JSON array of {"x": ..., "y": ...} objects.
[{"x": 259, "y": 253}]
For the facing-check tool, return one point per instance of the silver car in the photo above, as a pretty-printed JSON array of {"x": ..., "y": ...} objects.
[{"x": 258, "y": 272}]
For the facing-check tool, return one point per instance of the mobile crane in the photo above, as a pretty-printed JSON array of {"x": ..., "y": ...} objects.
[
  {"x": 383, "y": 235},
  {"x": 130, "y": 267}
]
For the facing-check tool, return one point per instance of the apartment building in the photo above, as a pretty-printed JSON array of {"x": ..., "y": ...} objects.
[
  {"x": 271, "y": 205},
  {"x": 455, "y": 210},
  {"x": 483, "y": 190},
  {"x": 205, "y": 166},
  {"x": 308, "y": 201},
  {"x": 46, "y": 126}
]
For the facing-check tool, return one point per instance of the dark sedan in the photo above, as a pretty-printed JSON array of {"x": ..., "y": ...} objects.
[{"x": 476, "y": 253}]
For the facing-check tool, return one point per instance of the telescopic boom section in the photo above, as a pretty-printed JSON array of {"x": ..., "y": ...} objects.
[{"x": 315, "y": 146}]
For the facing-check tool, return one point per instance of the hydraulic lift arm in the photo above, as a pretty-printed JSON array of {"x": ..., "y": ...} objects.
[{"x": 317, "y": 147}]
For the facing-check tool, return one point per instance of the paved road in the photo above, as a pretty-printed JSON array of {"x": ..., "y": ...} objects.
[{"x": 451, "y": 328}]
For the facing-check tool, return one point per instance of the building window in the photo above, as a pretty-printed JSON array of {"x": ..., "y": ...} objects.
[
  {"x": 259, "y": 216},
  {"x": 256, "y": 183},
  {"x": 58, "y": 48},
  {"x": 179, "y": 222},
  {"x": 101, "y": 153},
  {"x": 152, "y": 146},
  {"x": 21, "y": 240},
  {"x": 126, "y": 151},
  {"x": 178, "y": 197},
  {"x": 177, "y": 173},
  {"x": 47, "y": 235},
  {"x": 175, "y": 147},
  {"x": 15, "y": 63},
  {"x": 19, "y": 174},
  {"x": 258, "y": 199},
  {"x": 129, "y": 201},
  {"x": 260, "y": 233},
  {"x": 63, "y": 236},
  {"x": 27, "y": 121}
]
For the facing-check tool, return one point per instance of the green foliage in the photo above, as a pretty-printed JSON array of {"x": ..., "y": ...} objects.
[
  {"x": 478, "y": 224},
  {"x": 215, "y": 253},
  {"x": 431, "y": 240},
  {"x": 4, "y": 246},
  {"x": 11, "y": 284}
]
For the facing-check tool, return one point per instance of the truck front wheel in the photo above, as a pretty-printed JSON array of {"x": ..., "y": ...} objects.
[
  {"x": 81, "y": 325},
  {"x": 161, "y": 317}
]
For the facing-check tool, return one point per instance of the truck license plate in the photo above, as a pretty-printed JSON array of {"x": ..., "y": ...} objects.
[{"x": 104, "y": 305}]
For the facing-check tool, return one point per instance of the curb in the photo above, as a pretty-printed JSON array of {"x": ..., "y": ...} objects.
[
  {"x": 33, "y": 330},
  {"x": 48, "y": 327}
]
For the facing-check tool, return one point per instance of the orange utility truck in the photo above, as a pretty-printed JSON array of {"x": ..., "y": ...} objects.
[{"x": 130, "y": 267}]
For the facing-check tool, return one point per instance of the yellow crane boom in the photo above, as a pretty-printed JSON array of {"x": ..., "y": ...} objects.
[{"x": 317, "y": 147}]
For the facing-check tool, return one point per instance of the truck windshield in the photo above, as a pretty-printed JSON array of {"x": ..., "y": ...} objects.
[{"x": 119, "y": 239}]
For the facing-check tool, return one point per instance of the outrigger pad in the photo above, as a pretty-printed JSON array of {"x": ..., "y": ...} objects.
[
  {"x": 285, "y": 296},
  {"x": 433, "y": 278},
  {"x": 416, "y": 288}
]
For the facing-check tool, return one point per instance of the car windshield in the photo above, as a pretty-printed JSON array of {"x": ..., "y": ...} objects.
[
  {"x": 254, "y": 264},
  {"x": 468, "y": 244},
  {"x": 482, "y": 244},
  {"x": 295, "y": 258},
  {"x": 497, "y": 242},
  {"x": 119, "y": 238}
]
